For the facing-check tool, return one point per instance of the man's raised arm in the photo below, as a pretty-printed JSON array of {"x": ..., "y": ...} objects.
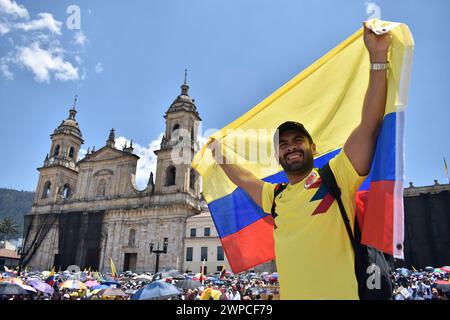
[
  {"x": 361, "y": 143},
  {"x": 238, "y": 175}
]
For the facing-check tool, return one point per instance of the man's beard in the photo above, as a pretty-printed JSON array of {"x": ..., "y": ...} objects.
[{"x": 299, "y": 167}]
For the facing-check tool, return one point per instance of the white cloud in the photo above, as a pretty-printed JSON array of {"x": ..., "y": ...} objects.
[
  {"x": 78, "y": 60},
  {"x": 38, "y": 45},
  {"x": 99, "y": 68},
  {"x": 43, "y": 63},
  {"x": 81, "y": 154},
  {"x": 147, "y": 161},
  {"x": 80, "y": 38},
  {"x": 6, "y": 73},
  {"x": 45, "y": 21},
  {"x": 4, "y": 28},
  {"x": 10, "y": 7}
]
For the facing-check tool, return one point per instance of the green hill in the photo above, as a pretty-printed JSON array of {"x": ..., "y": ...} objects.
[{"x": 15, "y": 204}]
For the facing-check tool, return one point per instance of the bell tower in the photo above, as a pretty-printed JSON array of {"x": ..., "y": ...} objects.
[
  {"x": 58, "y": 175},
  {"x": 178, "y": 147}
]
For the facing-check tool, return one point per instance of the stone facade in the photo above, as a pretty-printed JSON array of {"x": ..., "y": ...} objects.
[
  {"x": 201, "y": 233},
  {"x": 88, "y": 211}
]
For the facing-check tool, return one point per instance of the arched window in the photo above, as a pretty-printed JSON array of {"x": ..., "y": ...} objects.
[
  {"x": 46, "y": 190},
  {"x": 192, "y": 135},
  {"x": 66, "y": 191},
  {"x": 56, "y": 153},
  {"x": 132, "y": 238},
  {"x": 176, "y": 127},
  {"x": 192, "y": 179},
  {"x": 71, "y": 152},
  {"x": 101, "y": 188},
  {"x": 170, "y": 176}
]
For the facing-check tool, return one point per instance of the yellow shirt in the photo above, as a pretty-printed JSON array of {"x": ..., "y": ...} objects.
[{"x": 314, "y": 255}]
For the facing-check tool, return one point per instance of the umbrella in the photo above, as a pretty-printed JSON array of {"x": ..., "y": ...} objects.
[
  {"x": 91, "y": 283},
  {"x": 143, "y": 277},
  {"x": 219, "y": 282},
  {"x": 112, "y": 292},
  {"x": 28, "y": 288},
  {"x": 72, "y": 284},
  {"x": 174, "y": 274},
  {"x": 443, "y": 285},
  {"x": 8, "y": 288},
  {"x": 188, "y": 284},
  {"x": 429, "y": 269},
  {"x": 99, "y": 287},
  {"x": 130, "y": 291},
  {"x": 34, "y": 281},
  {"x": 14, "y": 280},
  {"x": 156, "y": 290},
  {"x": 44, "y": 287},
  {"x": 210, "y": 293},
  {"x": 111, "y": 283},
  {"x": 445, "y": 269}
]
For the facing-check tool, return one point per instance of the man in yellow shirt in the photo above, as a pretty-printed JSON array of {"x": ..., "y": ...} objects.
[{"x": 314, "y": 255}]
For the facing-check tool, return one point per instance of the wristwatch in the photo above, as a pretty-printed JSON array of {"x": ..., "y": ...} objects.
[{"x": 379, "y": 66}]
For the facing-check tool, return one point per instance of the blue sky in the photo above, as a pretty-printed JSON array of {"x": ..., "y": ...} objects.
[{"x": 127, "y": 63}]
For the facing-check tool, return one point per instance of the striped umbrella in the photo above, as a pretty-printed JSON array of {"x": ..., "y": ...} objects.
[
  {"x": 91, "y": 283},
  {"x": 73, "y": 285}
]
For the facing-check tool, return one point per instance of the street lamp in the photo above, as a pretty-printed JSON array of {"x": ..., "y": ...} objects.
[{"x": 158, "y": 252}]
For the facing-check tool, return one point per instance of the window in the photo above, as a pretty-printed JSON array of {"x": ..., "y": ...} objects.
[
  {"x": 176, "y": 127},
  {"x": 204, "y": 254},
  {"x": 66, "y": 191},
  {"x": 132, "y": 238},
  {"x": 192, "y": 179},
  {"x": 189, "y": 253},
  {"x": 207, "y": 232},
  {"x": 71, "y": 152},
  {"x": 101, "y": 188},
  {"x": 56, "y": 153},
  {"x": 46, "y": 191},
  {"x": 170, "y": 176},
  {"x": 219, "y": 253},
  {"x": 193, "y": 232}
]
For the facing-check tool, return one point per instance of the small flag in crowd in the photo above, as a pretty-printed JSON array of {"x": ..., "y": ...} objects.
[
  {"x": 113, "y": 268},
  {"x": 222, "y": 273}
]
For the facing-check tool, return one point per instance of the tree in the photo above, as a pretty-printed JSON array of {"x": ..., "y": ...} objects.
[{"x": 8, "y": 227}]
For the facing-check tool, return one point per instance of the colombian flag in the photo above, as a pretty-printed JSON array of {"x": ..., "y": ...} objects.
[
  {"x": 327, "y": 98},
  {"x": 51, "y": 277}
]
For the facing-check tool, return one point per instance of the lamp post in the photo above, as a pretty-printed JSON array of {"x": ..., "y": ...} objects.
[{"x": 158, "y": 252}]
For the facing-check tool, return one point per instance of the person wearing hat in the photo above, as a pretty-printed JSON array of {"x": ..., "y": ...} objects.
[{"x": 309, "y": 233}]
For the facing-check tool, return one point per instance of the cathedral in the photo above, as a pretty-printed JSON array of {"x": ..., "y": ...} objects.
[{"x": 88, "y": 212}]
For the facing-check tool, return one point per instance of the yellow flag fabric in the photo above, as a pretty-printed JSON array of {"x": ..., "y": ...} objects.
[{"x": 113, "y": 268}]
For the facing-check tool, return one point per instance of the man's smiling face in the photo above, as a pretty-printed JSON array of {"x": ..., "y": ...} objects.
[{"x": 296, "y": 152}]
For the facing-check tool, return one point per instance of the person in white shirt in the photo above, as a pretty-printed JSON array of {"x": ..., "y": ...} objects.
[{"x": 234, "y": 294}]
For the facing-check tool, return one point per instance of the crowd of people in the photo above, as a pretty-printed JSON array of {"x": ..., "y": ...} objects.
[{"x": 429, "y": 284}]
